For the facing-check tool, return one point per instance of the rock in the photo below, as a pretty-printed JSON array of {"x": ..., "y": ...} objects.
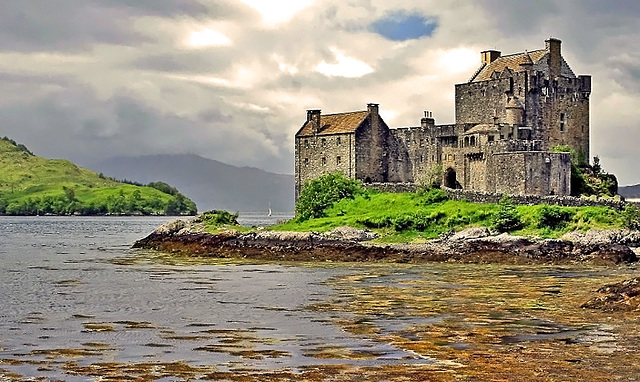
[
  {"x": 622, "y": 296},
  {"x": 171, "y": 227},
  {"x": 350, "y": 234},
  {"x": 611, "y": 253},
  {"x": 598, "y": 237},
  {"x": 470, "y": 233}
]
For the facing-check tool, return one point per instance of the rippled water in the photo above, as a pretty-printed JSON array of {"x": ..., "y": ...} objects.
[{"x": 74, "y": 296}]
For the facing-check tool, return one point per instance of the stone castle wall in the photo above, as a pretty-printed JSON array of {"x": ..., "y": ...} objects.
[{"x": 494, "y": 197}]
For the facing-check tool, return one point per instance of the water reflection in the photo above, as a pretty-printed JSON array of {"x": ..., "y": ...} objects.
[{"x": 77, "y": 302}]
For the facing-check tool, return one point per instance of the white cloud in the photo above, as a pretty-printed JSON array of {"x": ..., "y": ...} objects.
[
  {"x": 344, "y": 67},
  {"x": 275, "y": 12},
  {"x": 207, "y": 37}
]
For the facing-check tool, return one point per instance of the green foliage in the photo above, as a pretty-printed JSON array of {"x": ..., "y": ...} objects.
[
  {"x": 18, "y": 146},
  {"x": 162, "y": 186},
  {"x": 319, "y": 194},
  {"x": 219, "y": 217},
  {"x": 631, "y": 217},
  {"x": 433, "y": 195},
  {"x": 553, "y": 217},
  {"x": 589, "y": 179},
  {"x": 507, "y": 218}
]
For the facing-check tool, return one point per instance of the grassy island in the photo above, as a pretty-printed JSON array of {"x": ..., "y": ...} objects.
[{"x": 333, "y": 201}]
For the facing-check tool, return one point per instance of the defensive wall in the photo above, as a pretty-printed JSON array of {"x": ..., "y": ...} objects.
[{"x": 489, "y": 197}]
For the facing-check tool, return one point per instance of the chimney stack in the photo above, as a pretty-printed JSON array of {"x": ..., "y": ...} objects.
[
  {"x": 552, "y": 45},
  {"x": 489, "y": 56},
  {"x": 372, "y": 108},
  {"x": 314, "y": 115}
]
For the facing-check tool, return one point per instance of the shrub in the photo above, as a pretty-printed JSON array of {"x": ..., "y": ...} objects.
[
  {"x": 507, "y": 218},
  {"x": 631, "y": 217},
  {"x": 553, "y": 217},
  {"x": 434, "y": 195},
  {"x": 219, "y": 217},
  {"x": 319, "y": 194}
]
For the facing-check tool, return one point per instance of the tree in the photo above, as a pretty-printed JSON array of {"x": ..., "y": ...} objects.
[
  {"x": 319, "y": 194},
  {"x": 507, "y": 218}
]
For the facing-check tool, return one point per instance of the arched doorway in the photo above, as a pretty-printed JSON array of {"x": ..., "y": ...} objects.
[{"x": 450, "y": 178}]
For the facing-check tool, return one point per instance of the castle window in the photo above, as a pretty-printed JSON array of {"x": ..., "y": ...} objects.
[
  {"x": 338, "y": 142},
  {"x": 421, "y": 158},
  {"x": 324, "y": 161},
  {"x": 306, "y": 143},
  {"x": 490, "y": 138},
  {"x": 306, "y": 161},
  {"x": 562, "y": 120},
  {"x": 338, "y": 160},
  {"x": 324, "y": 142}
]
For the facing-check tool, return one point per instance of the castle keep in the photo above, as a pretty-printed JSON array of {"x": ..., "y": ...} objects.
[{"x": 509, "y": 115}]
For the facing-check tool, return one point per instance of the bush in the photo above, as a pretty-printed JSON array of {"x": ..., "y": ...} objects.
[
  {"x": 219, "y": 217},
  {"x": 434, "y": 195},
  {"x": 553, "y": 217},
  {"x": 507, "y": 218},
  {"x": 631, "y": 216},
  {"x": 319, "y": 194}
]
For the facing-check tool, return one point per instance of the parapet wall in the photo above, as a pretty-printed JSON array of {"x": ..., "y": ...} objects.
[
  {"x": 488, "y": 197},
  {"x": 567, "y": 201}
]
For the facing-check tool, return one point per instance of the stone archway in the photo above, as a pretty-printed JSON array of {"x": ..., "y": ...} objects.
[{"x": 450, "y": 180}]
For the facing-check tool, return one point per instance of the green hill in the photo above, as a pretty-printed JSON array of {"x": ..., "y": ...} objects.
[{"x": 31, "y": 185}]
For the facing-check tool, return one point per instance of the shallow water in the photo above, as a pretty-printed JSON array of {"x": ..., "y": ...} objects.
[{"x": 78, "y": 304}]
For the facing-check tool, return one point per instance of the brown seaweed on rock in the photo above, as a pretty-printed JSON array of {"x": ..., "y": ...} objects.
[{"x": 622, "y": 296}]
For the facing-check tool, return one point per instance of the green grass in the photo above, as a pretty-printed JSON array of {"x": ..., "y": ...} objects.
[
  {"x": 408, "y": 217},
  {"x": 33, "y": 185}
]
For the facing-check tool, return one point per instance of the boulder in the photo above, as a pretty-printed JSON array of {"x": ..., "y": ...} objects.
[
  {"x": 622, "y": 296},
  {"x": 350, "y": 234}
]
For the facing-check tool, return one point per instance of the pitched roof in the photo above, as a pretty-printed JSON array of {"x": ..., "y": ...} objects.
[
  {"x": 335, "y": 123},
  {"x": 513, "y": 62}
]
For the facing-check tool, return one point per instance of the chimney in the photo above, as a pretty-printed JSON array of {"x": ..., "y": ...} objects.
[
  {"x": 552, "y": 45},
  {"x": 427, "y": 120},
  {"x": 489, "y": 56},
  {"x": 372, "y": 108},
  {"x": 314, "y": 115}
]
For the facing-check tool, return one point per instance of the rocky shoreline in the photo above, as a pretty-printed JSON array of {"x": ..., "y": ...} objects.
[{"x": 346, "y": 244}]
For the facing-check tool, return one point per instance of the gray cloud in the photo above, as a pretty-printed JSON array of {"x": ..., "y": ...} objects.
[{"x": 88, "y": 79}]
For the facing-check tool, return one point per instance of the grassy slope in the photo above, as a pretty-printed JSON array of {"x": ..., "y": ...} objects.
[
  {"x": 394, "y": 209},
  {"x": 24, "y": 176}
]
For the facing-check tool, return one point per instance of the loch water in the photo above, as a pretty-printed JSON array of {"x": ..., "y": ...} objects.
[{"x": 74, "y": 297}]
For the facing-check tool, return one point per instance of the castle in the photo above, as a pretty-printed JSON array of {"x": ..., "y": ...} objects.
[{"x": 508, "y": 116}]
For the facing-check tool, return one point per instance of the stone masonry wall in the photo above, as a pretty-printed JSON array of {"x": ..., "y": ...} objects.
[{"x": 494, "y": 197}]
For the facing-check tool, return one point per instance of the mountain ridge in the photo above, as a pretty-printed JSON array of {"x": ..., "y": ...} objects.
[{"x": 210, "y": 183}]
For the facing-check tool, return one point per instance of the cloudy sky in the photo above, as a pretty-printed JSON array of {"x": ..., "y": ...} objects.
[{"x": 231, "y": 79}]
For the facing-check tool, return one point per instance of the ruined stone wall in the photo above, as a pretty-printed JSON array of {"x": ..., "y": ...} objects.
[{"x": 322, "y": 154}]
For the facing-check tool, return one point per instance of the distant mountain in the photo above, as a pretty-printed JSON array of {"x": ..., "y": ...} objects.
[
  {"x": 209, "y": 183},
  {"x": 629, "y": 191}
]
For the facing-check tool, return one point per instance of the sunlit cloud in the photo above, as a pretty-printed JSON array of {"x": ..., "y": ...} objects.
[
  {"x": 207, "y": 37},
  {"x": 275, "y": 12},
  {"x": 344, "y": 67}
]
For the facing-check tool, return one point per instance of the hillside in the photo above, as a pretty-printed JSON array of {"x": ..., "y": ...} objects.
[
  {"x": 32, "y": 185},
  {"x": 210, "y": 183},
  {"x": 630, "y": 191}
]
